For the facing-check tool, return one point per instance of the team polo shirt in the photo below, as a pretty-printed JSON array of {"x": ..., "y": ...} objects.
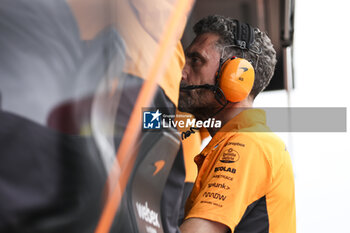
[{"x": 245, "y": 178}]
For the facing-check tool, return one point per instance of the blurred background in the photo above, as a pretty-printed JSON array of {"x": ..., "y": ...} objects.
[{"x": 321, "y": 159}]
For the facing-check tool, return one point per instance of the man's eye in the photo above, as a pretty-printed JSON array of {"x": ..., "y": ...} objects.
[{"x": 195, "y": 60}]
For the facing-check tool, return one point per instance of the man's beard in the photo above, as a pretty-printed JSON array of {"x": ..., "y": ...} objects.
[{"x": 199, "y": 102}]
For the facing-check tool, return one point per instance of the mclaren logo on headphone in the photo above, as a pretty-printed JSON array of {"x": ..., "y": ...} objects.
[
  {"x": 244, "y": 69},
  {"x": 159, "y": 166}
]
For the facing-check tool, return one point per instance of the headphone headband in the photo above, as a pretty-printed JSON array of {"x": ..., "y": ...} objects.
[{"x": 243, "y": 35}]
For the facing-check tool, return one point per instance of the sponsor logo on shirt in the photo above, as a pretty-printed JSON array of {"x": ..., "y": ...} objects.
[
  {"x": 225, "y": 169},
  {"x": 211, "y": 203},
  {"x": 217, "y": 196},
  {"x": 223, "y": 177},
  {"x": 235, "y": 144},
  {"x": 147, "y": 214},
  {"x": 229, "y": 156},
  {"x": 218, "y": 185}
]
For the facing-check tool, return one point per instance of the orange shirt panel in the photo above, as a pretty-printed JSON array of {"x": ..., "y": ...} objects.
[
  {"x": 243, "y": 163},
  {"x": 225, "y": 180}
]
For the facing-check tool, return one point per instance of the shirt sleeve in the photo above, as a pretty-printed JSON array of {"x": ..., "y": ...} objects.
[{"x": 239, "y": 175}]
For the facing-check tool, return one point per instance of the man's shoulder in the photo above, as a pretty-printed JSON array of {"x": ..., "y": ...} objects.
[
  {"x": 260, "y": 139},
  {"x": 266, "y": 144}
]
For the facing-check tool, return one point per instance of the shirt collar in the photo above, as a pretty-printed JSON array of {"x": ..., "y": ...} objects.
[{"x": 245, "y": 119}]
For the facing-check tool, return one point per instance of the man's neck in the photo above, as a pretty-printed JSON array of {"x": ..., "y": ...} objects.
[{"x": 229, "y": 112}]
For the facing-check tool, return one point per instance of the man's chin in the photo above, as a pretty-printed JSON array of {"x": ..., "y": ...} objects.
[
  {"x": 184, "y": 94},
  {"x": 183, "y": 106}
]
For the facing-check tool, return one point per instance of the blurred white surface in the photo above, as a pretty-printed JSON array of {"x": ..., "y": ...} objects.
[{"x": 321, "y": 160}]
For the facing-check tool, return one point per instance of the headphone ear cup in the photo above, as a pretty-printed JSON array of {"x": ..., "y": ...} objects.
[{"x": 236, "y": 79}]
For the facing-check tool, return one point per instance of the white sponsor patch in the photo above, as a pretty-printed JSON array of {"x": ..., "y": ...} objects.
[
  {"x": 150, "y": 229},
  {"x": 147, "y": 214}
]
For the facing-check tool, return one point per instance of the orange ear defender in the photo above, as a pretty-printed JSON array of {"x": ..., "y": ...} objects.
[{"x": 236, "y": 79}]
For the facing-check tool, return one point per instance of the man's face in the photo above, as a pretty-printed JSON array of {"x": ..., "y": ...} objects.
[{"x": 202, "y": 62}]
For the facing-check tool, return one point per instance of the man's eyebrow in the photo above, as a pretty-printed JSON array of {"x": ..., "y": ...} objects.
[{"x": 194, "y": 54}]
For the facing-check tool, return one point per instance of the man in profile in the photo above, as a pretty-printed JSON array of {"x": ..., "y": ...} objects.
[{"x": 245, "y": 179}]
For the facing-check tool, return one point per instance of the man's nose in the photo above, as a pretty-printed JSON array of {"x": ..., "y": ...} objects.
[{"x": 185, "y": 73}]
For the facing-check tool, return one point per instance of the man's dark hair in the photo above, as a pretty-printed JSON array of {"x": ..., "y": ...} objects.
[{"x": 263, "y": 63}]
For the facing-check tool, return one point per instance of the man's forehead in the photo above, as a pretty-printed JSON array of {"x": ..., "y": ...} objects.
[{"x": 202, "y": 43}]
